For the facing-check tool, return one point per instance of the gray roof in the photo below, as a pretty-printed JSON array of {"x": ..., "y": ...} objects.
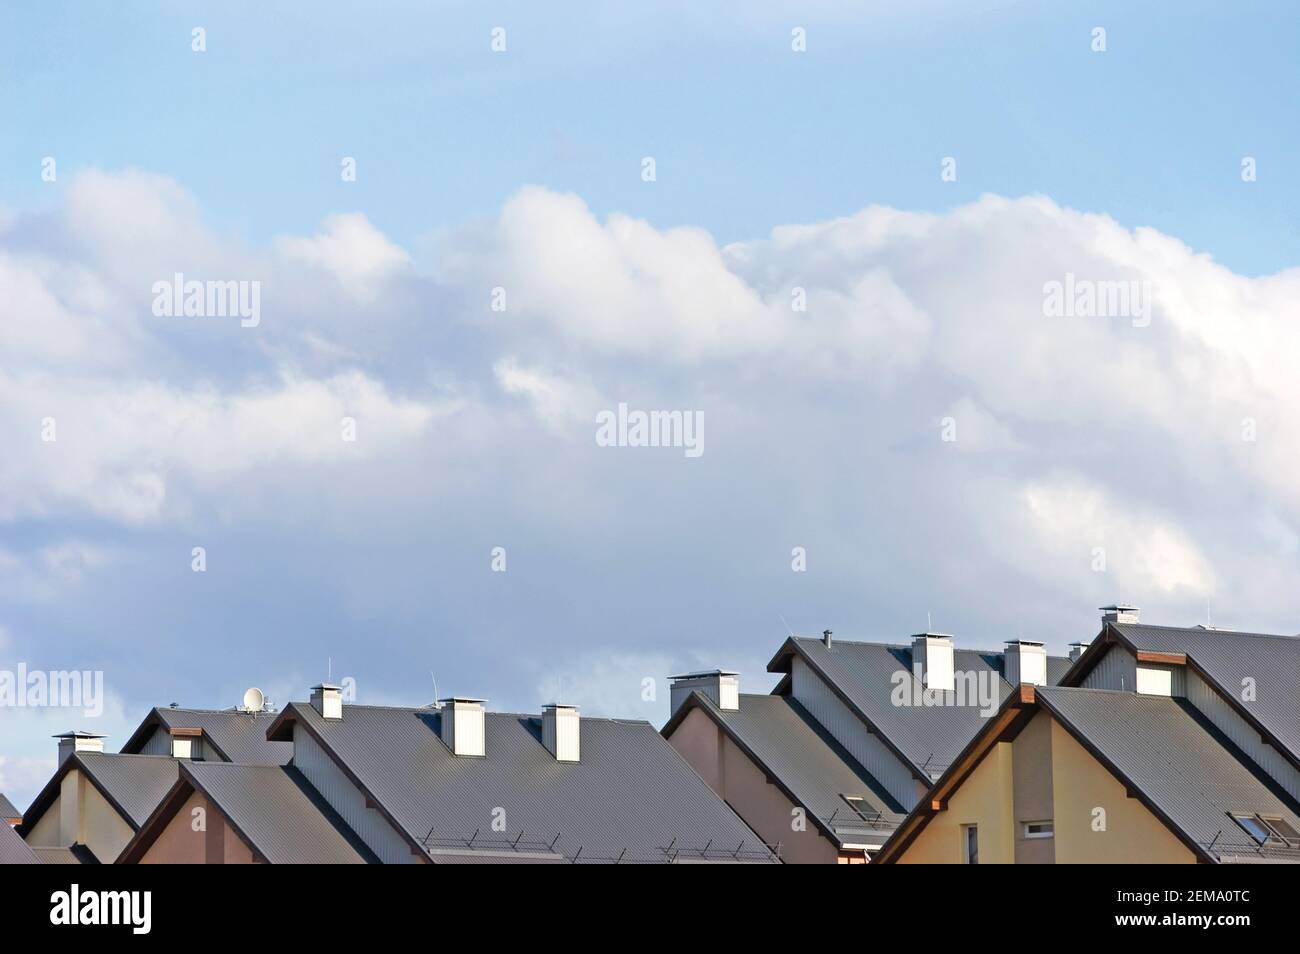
[
  {"x": 8, "y": 809},
  {"x": 239, "y": 736},
  {"x": 1175, "y": 757},
  {"x": 1273, "y": 662},
  {"x": 76, "y": 855},
  {"x": 278, "y": 813},
  {"x": 13, "y": 850},
  {"x": 792, "y": 747},
  {"x": 135, "y": 783},
  {"x": 631, "y": 797},
  {"x": 928, "y": 736}
]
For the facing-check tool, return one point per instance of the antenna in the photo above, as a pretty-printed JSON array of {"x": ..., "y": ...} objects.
[
  {"x": 929, "y": 626},
  {"x": 435, "y": 688},
  {"x": 786, "y": 625},
  {"x": 329, "y": 668},
  {"x": 254, "y": 700}
]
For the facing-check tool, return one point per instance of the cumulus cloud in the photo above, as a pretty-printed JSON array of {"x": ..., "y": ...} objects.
[{"x": 826, "y": 358}]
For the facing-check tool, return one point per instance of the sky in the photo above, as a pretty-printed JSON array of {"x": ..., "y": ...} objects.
[{"x": 840, "y": 266}]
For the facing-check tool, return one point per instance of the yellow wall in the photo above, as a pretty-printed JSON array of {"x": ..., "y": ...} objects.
[
  {"x": 984, "y": 799},
  {"x": 1132, "y": 836}
]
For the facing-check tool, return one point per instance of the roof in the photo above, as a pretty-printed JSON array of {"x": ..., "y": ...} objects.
[
  {"x": 928, "y": 738},
  {"x": 1165, "y": 753},
  {"x": 1191, "y": 773},
  {"x": 76, "y": 855},
  {"x": 13, "y": 850},
  {"x": 806, "y": 762},
  {"x": 8, "y": 809},
  {"x": 1226, "y": 658},
  {"x": 132, "y": 784},
  {"x": 237, "y": 736},
  {"x": 631, "y": 797},
  {"x": 278, "y": 813}
]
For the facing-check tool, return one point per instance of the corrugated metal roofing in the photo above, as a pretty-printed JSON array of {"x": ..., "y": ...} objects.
[
  {"x": 931, "y": 736},
  {"x": 136, "y": 782},
  {"x": 790, "y": 744},
  {"x": 279, "y": 812},
  {"x": 631, "y": 797},
  {"x": 240, "y": 735},
  {"x": 1178, "y": 759},
  {"x": 76, "y": 855},
  {"x": 8, "y": 809},
  {"x": 1273, "y": 662},
  {"x": 13, "y": 850}
]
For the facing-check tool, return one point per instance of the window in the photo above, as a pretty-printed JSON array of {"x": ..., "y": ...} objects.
[
  {"x": 861, "y": 808},
  {"x": 1039, "y": 829},
  {"x": 970, "y": 835},
  {"x": 1268, "y": 830},
  {"x": 1283, "y": 829}
]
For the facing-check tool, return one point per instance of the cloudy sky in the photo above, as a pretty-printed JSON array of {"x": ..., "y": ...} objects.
[{"x": 840, "y": 265}]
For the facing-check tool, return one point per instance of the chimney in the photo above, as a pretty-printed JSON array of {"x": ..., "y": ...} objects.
[
  {"x": 185, "y": 743},
  {"x": 561, "y": 731},
  {"x": 78, "y": 740},
  {"x": 826, "y": 638},
  {"x": 1025, "y": 663},
  {"x": 463, "y": 722},
  {"x": 1119, "y": 613},
  {"x": 1077, "y": 650},
  {"x": 933, "y": 653},
  {"x": 327, "y": 699},
  {"x": 720, "y": 685}
]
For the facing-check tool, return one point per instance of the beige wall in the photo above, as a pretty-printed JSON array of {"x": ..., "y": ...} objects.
[
  {"x": 82, "y": 816},
  {"x": 984, "y": 799},
  {"x": 763, "y": 806},
  {"x": 1132, "y": 836},
  {"x": 1031, "y": 765},
  {"x": 180, "y": 844}
]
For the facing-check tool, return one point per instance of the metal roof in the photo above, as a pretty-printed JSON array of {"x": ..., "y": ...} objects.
[
  {"x": 630, "y": 798},
  {"x": 76, "y": 855},
  {"x": 1228, "y": 658},
  {"x": 929, "y": 736},
  {"x": 239, "y": 736},
  {"x": 13, "y": 850},
  {"x": 8, "y": 809},
  {"x": 1174, "y": 756},
  {"x": 278, "y": 812},
  {"x": 135, "y": 783},
  {"x": 791, "y": 746}
]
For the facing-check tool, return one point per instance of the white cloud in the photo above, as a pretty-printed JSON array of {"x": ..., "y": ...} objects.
[{"x": 357, "y": 253}]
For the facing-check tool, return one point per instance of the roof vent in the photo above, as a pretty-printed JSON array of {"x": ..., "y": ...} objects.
[
  {"x": 1076, "y": 650},
  {"x": 1119, "y": 613},
  {"x": 327, "y": 699},
  {"x": 561, "y": 731},
  {"x": 78, "y": 740},
  {"x": 932, "y": 661},
  {"x": 463, "y": 725},
  {"x": 826, "y": 638},
  {"x": 720, "y": 685},
  {"x": 1025, "y": 663}
]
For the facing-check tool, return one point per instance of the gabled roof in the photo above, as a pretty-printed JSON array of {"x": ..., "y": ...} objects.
[
  {"x": 272, "y": 808},
  {"x": 631, "y": 797},
  {"x": 1224, "y": 659},
  {"x": 926, "y": 738},
  {"x": 1166, "y": 754},
  {"x": 132, "y": 784},
  {"x": 805, "y": 761},
  {"x": 13, "y": 850},
  {"x": 235, "y": 735},
  {"x": 8, "y": 810},
  {"x": 74, "y": 855}
]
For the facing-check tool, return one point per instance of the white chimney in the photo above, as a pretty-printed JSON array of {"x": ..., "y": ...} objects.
[
  {"x": 1077, "y": 650},
  {"x": 933, "y": 653},
  {"x": 1119, "y": 613},
  {"x": 327, "y": 699},
  {"x": 720, "y": 685},
  {"x": 463, "y": 725},
  {"x": 185, "y": 743},
  {"x": 78, "y": 741},
  {"x": 1025, "y": 663},
  {"x": 561, "y": 731}
]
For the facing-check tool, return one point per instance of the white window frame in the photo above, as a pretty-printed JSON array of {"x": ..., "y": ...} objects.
[{"x": 1049, "y": 833}]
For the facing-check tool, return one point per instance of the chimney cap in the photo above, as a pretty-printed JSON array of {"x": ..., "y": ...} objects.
[
  {"x": 1024, "y": 642},
  {"x": 559, "y": 705},
  {"x": 929, "y": 635},
  {"x": 326, "y": 686},
  {"x": 1118, "y": 606},
  {"x": 78, "y": 734},
  {"x": 1081, "y": 642},
  {"x": 463, "y": 699},
  {"x": 701, "y": 673}
]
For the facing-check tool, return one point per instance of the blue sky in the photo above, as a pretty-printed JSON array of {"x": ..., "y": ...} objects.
[{"x": 1166, "y": 445}]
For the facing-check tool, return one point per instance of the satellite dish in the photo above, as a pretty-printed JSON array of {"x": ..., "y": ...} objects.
[{"x": 254, "y": 700}]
